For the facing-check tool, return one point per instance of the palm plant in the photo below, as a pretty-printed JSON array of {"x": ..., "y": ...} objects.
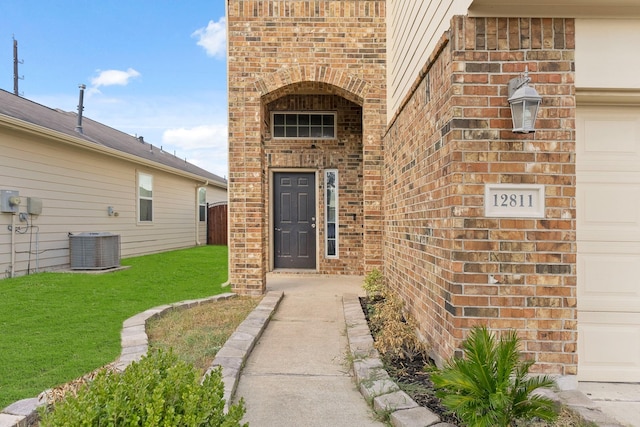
[{"x": 490, "y": 385}]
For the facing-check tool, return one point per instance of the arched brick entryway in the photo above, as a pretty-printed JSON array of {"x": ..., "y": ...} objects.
[{"x": 356, "y": 153}]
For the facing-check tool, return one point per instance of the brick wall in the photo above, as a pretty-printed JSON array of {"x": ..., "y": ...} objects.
[
  {"x": 314, "y": 48},
  {"x": 454, "y": 267}
]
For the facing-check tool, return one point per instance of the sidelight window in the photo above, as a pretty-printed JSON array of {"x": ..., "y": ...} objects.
[{"x": 331, "y": 213}]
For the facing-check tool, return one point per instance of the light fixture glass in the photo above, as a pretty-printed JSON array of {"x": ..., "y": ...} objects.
[{"x": 524, "y": 101}]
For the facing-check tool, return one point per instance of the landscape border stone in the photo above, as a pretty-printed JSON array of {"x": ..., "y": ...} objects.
[
  {"x": 373, "y": 380},
  {"x": 231, "y": 358}
]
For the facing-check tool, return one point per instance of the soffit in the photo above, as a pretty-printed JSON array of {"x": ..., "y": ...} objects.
[{"x": 556, "y": 8}]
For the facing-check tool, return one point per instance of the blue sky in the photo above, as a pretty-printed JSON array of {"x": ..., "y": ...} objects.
[{"x": 153, "y": 68}]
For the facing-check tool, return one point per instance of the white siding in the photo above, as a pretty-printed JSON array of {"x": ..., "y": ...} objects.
[
  {"x": 216, "y": 195},
  {"x": 603, "y": 59},
  {"x": 414, "y": 29},
  {"x": 77, "y": 187}
]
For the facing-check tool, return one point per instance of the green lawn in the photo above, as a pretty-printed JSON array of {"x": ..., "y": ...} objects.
[{"x": 55, "y": 327}]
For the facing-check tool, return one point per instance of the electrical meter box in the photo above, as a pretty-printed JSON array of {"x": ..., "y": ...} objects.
[
  {"x": 34, "y": 206},
  {"x": 9, "y": 201}
]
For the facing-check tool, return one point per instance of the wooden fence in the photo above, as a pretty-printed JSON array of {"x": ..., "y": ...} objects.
[{"x": 217, "y": 224}]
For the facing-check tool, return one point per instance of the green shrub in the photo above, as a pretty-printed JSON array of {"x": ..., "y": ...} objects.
[
  {"x": 490, "y": 386},
  {"x": 159, "y": 390},
  {"x": 374, "y": 284}
]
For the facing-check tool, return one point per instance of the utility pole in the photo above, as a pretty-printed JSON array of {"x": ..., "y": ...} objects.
[{"x": 16, "y": 61}]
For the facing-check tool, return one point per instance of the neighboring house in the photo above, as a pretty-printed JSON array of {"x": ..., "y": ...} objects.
[
  {"x": 99, "y": 180},
  {"x": 378, "y": 134}
]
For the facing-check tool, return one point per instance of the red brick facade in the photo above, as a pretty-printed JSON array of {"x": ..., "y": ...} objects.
[
  {"x": 455, "y": 267},
  {"x": 412, "y": 190},
  {"x": 316, "y": 55}
]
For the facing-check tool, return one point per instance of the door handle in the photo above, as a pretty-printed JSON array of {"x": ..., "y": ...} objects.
[
  {"x": 313, "y": 226},
  {"x": 278, "y": 229}
]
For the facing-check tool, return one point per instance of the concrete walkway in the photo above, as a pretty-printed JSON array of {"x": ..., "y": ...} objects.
[
  {"x": 298, "y": 372},
  {"x": 621, "y": 401}
]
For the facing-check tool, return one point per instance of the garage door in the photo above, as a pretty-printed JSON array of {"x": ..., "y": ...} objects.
[{"x": 608, "y": 236}]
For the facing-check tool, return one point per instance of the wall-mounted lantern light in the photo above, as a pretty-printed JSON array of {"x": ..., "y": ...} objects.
[{"x": 524, "y": 101}]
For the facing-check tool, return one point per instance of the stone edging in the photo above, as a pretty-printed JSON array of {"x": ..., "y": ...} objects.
[
  {"x": 233, "y": 355},
  {"x": 135, "y": 343},
  {"x": 373, "y": 380},
  {"x": 384, "y": 394}
]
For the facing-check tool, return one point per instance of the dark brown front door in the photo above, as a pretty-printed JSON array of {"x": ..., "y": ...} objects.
[{"x": 294, "y": 211}]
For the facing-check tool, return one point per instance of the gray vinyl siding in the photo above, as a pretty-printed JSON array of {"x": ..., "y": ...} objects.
[
  {"x": 76, "y": 187},
  {"x": 414, "y": 29}
]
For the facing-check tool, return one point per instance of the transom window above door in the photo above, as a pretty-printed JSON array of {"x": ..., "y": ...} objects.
[{"x": 303, "y": 125}]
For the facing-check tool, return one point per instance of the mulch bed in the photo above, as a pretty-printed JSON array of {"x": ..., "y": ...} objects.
[{"x": 412, "y": 377}]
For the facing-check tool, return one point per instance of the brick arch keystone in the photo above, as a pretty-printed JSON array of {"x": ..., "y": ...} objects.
[{"x": 351, "y": 87}]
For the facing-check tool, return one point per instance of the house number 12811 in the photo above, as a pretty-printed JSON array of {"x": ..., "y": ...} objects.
[{"x": 514, "y": 200}]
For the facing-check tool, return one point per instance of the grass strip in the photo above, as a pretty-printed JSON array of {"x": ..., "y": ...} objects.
[
  {"x": 196, "y": 334},
  {"x": 55, "y": 327}
]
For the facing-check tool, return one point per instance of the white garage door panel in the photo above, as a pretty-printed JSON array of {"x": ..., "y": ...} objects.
[
  {"x": 608, "y": 242},
  {"x": 600, "y": 131},
  {"x": 610, "y": 139},
  {"x": 609, "y": 281},
  {"x": 609, "y": 346},
  {"x": 608, "y": 211}
]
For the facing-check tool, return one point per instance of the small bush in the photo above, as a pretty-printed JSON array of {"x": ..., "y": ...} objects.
[
  {"x": 490, "y": 386},
  {"x": 160, "y": 390},
  {"x": 395, "y": 337},
  {"x": 374, "y": 284}
]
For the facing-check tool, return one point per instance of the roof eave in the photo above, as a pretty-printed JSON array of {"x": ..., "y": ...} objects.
[{"x": 21, "y": 125}]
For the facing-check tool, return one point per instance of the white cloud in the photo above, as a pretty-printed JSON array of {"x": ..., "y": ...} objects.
[
  {"x": 205, "y": 145},
  {"x": 196, "y": 137},
  {"x": 213, "y": 38},
  {"x": 114, "y": 77}
]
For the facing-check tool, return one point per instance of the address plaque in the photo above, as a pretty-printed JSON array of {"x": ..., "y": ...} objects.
[{"x": 514, "y": 200}]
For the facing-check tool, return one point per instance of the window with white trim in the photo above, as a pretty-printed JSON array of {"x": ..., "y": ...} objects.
[
  {"x": 294, "y": 125},
  {"x": 202, "y": 204},
  {"x": 331, "y": 213},
  {"x": 145, "y": 197}
]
